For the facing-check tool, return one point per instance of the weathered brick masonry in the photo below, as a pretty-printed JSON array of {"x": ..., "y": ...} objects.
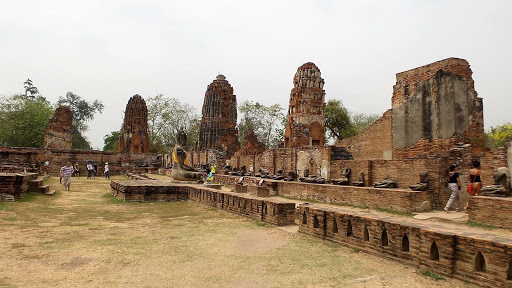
[
  {"x": 274, "y": 211},
  {"x": 59, "y": 129},
  {"x": 22, "y": 158},
  {"x": 491, "y": 210},
  {"x": 134, "y": 136},
  {"x": 460, "y": 255}
]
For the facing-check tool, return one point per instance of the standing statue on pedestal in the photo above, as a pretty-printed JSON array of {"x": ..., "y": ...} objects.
[{"x": 180, "y": 170}]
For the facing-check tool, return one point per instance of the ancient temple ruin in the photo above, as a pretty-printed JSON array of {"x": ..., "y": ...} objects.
[
  {"x": 219, "y": 115},
  {"x": 134, "y": 136},
  {"x": 59, "y": 130},
  {"x": 306, "y": 117}
]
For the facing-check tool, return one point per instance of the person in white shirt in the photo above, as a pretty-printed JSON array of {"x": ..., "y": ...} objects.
[{"x": 107, "y": 169}]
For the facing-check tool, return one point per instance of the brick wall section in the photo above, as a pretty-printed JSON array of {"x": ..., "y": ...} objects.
[
  {"x": 356, "y": 167},
  {"x": 491, "y": 210},
  {"x": 372, "y": 142},
  {"x": 396, "y": 199},
  {"x": 406, "y": 85},
  {"x": 118, "y": 162},
  {"x": 412, "y": 244}
]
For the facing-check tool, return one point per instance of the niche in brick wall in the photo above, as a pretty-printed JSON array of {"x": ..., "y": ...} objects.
[
  {"x": 265, "y": 209},
  {"x": 384, "y": 238},
  {"x": 245, "y": 204},
  {"x": 304, "y": 218},
  {"x": 274, "y": 211},
  {"x": 405, "y": 243},
  {"x": 334, "y": 226},
  {"x": 509, "y": 271},
  {"x": 479, "y": 263},
  {"x": 434, "y": 252},
  {"x": 366, "y": 234},
  {"x": 350, "y": 232},
  {"x": 315, "y": 222},
  {"x": 251, "y": 206}
]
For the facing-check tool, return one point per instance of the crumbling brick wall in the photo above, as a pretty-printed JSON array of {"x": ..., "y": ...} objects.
[
  {"x": 59, "y": 130},
  {"x": 376, "y": 142},
  {"x": 434, "y": 107}
]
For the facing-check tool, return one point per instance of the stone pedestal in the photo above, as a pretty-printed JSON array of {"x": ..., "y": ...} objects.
[
  {"x": 240, "y": 188},
  {"x": 214, "y": 186},
  {"x": 262, "y": 191}
]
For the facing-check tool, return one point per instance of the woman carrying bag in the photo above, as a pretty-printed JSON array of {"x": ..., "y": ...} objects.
[{"x": 475, "y": 181}]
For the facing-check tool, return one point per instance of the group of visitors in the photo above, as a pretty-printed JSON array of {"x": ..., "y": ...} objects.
[
  {"x": 454, "y": 184},
  {"x": 68, "y": 170}
]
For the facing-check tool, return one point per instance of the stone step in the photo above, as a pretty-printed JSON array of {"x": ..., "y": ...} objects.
[
  {"x": 33, "y": 185},
  {"x": 51, "y": 192},
  {"x": 43, "y": 189}
]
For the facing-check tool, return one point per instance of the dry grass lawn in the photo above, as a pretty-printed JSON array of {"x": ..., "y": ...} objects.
[{"x": 87, "y": 238}]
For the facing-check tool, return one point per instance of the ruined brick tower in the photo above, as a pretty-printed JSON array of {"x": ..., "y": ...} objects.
[
  {"x": 59, "y": 129},
  {"x": 306, "y": 114},
  {"x": 218, "y": 123},
  {"x": 134, "y": 137}
]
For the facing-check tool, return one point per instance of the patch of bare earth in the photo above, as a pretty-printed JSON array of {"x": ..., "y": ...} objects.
[{"x": 86, "y": 238}]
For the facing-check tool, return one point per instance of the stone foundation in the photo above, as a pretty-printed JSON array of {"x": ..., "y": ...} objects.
[
  {"x": 491, "y": 210},
  {"x": 472, "y": 258}
]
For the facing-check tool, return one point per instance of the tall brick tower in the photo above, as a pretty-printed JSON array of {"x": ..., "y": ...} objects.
[
  {"x": 134, "y": 137},
  {"x": 306, "y": 114},
  {"x": 218, "y": 123}
]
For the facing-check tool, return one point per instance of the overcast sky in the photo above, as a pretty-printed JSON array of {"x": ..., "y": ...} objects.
[{"x": 111, "y": 50}]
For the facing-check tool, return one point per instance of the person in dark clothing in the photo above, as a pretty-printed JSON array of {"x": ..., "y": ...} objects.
[{"x": 454, "y": 185}]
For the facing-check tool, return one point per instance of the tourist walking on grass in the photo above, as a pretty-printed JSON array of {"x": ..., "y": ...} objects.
[
  {"x": 454, "y": 186},
  {"x": 107, "y": 169},
  {"x": 66, "y": 172},
  {"x": 90, "y": 169},
  {"x": 475, "y": 181},
  {"x": 95, "y": 168}
]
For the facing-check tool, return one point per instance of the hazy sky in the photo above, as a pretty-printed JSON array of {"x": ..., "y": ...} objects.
[{"x": 111, "y": 50}]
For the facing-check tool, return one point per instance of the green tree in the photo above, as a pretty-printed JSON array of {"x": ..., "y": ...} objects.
[
  {"x": 83, "y": 112},
  {"x": 337, "y": 121},
  {"x": 361, "y": 121},
  {"x": 24, "y": 120},
  {"x": 165, "y": 117},
  {"x": 30, "y": 88},
  {"x": 111, "y": 141},
  {"x": 265, "y": 121},
  {"x": 498, "y": 136}
]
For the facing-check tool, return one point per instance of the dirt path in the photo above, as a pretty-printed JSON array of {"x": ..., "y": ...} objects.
[{"x": 86, "y": 238}]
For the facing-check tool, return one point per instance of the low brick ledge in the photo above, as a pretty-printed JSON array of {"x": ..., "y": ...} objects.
[
  {"x": 454, "y": 253},
  {"x": 495, "y": 211}
]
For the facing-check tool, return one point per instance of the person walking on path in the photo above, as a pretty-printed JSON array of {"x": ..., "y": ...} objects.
[
  {"x": 76, "y": 169},
  {"x": 454, "y": 186},
  {"x": 475, "y": 181},
  {"x": 107, "y": 169},
  {"x": 66, "y": 172},
  {"x": 90, "y": 169}
]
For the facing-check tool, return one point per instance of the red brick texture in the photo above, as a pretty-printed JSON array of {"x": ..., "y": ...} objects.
[
  {"x": 134, "y": 136},
  {"x": 451, "y": 254},
  {"x": 373, "y": 142},
  {"x": 491, "y": 210}
]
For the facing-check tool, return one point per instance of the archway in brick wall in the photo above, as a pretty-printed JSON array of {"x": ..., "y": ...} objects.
[
  {"x": 434, "y": 252},
  {"x": 350, "y": 232},
  {"x": 405, "y": 243},
  {"x": 384, "y": 238},
  {"x": 509, "y": 271},
  {"x": 315, "y": 222},
  {"x": 304, "y": 218},
  {"x": 479, "y": 262},
  {"x": 366, "y": 234},
  {"x": 334, "y": 225}
]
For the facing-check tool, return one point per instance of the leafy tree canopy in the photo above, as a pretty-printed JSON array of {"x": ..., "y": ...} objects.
[
  {"x": 24, "y": 120},
  {"x": 267, "y": 122},
  {"x": 165, "y": 117},
  {"x": 498, "y": 136},
  {"x": 111, "y": 141},
  {"x": 341, "y": 123}
]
